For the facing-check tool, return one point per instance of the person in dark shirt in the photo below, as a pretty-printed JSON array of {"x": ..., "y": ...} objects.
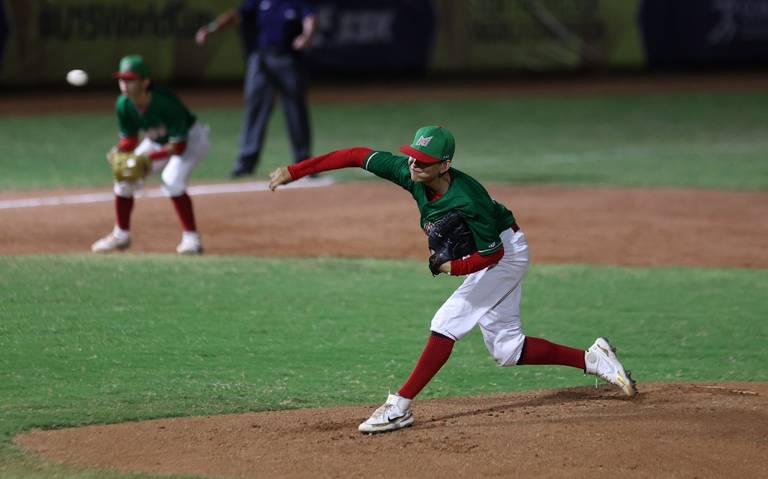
[{"x": 275, "y": 32}]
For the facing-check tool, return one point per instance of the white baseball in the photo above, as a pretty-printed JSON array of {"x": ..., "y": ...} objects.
[{"x": 77, "y": 77}]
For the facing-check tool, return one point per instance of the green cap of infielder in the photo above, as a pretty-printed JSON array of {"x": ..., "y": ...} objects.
[
  {"x": 471, "y": 234},
  {"x": 132, "y": 67}
]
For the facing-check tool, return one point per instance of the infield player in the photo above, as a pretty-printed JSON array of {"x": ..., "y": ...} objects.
[
  {"x": 490, "y": 295},
  {"x": 173, "y": 142}
]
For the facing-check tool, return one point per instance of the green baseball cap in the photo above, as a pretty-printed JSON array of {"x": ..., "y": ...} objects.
[
  {"x": 132, "y": 67},
  {"x": 431, "y": 144}
]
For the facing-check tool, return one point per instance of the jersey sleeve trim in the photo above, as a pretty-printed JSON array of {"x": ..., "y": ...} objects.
[
  {"x": 491, "y": 250},
  {"x": 128, "y": 143},
  {"x": 368, "y": 160}
]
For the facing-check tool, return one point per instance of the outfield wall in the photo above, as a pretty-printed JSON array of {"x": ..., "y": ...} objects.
[{"x": 40, "y": 40}]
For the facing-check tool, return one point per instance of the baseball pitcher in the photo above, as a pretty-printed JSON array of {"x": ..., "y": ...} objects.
[
  {"x": 173, "y": 144},
  {"x": 472, "y": 235}
]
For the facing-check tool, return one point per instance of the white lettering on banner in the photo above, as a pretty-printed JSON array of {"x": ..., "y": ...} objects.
[
  {"x": 97, "y": 20},
  {"x": 744, "y": 19},
  {"x": 323, "y": 26},
  {"x": 424, "y": 140},
  {"x": 356, "y": 27}
]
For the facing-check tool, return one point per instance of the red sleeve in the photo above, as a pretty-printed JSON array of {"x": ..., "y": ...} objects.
[
  {"x": 178, "y": 148},
  {"x": 474, "y": 263},
  {"x": 128, "y": 143},
  {"x": 160, "y": 154},
  {"x": 331, "y": 161}
]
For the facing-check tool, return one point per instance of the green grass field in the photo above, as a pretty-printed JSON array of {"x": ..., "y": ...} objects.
[
  {"x": 86, "y": 339},
  {"x": 108, "y": 339},
  {"x": 709, "y": 140}
]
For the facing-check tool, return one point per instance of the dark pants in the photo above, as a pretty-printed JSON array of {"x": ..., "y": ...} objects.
[{"x": 268, "y": 73}]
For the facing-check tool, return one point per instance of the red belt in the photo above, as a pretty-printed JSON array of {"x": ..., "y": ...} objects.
[{"x": 515, "y": 228}]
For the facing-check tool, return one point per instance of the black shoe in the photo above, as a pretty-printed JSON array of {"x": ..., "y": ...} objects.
[{"x": 240, "y": 172}]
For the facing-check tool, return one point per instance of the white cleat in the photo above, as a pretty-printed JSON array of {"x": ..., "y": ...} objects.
[
  {"x": 190, "y": 244},
  {"x": 393, "y": 414},
  {"x": 601, "y": 361},
  {"x": 111, "y": 242}
]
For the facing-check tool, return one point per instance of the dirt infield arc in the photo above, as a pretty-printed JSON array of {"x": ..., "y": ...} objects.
[
  {"x": 563, "y": 224},
  {"x": 671, "y": 430}
]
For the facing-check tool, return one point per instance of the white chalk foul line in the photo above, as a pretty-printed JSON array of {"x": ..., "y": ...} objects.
[{"x": 198, "y": 190}]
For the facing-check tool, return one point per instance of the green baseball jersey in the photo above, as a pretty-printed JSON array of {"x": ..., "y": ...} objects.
[
  {"x": 165, "y": 118},
  {"x": 485, "y": 216}
]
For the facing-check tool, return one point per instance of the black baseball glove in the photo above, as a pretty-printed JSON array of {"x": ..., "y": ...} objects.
[{"x": 449, "y": 238}]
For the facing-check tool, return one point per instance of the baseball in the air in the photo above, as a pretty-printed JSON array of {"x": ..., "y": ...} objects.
[{"x": 77, "y": 77}]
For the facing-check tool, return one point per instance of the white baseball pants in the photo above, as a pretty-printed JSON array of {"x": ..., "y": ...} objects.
[
  {"x": 174, "y": 171},
  {"x": 490, "y": 298}
]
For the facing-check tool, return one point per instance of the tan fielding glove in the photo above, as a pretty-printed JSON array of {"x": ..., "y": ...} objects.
[{"x": 127, "y": 166}]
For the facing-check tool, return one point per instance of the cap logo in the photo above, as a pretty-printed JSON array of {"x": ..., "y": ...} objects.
[{"x": 424, "y": 140}]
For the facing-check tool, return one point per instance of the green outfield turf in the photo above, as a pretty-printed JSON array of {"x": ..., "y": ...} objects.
[
  {"x": 91, "y": 339},
  {"x": 710, "y": 140}
]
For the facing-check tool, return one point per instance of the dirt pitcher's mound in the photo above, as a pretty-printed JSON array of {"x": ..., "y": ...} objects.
[{"x": 670, "y": 430}]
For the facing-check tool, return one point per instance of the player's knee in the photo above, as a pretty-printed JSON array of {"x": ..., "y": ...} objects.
[
  {"x": 124, "y": 189},
  {"x": 174, "y": 184},
  {"x": 172, "y": 189}
]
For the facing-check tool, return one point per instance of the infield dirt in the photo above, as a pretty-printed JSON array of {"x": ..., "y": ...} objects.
[
  {"x": 563, "y": 224},
  {"x": 670, "y": 430}
]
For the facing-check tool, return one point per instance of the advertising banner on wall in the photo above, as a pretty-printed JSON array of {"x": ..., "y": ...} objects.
[
  {"x": 40, "y": 40},
  {"x": 705, "y": 33},
  {"x": 373, "y": 36},
  {"x": 537, "y": 35},
  {"x": 48, "y": 38}
]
